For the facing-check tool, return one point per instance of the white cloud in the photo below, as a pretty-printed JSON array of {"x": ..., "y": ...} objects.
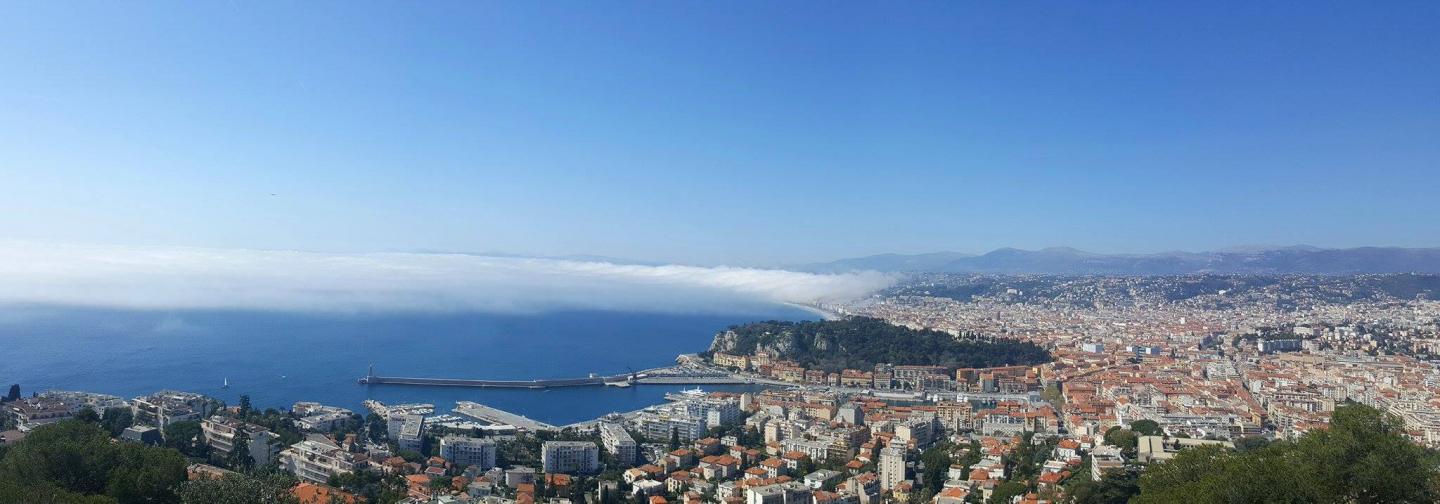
[{"x": 183, "y": 278}]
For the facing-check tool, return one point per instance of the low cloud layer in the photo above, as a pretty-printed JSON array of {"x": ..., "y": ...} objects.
[{"x": 198, "y": 278}]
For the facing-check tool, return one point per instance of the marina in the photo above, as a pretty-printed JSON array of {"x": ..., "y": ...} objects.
[{"x": 674, "y": 375}]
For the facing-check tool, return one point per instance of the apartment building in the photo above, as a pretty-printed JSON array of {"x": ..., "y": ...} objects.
[
  {"x": 570, "y": 457},
  {"x": 220, "y": 433},
  {"x": 314, "y": 461},
  {"x": 168, "y": 406},
  {"x": 467, "y": 451},
  {"x": 619, "y": 442}
]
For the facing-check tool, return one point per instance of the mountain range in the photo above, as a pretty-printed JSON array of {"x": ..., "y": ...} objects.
[{"x": 1300, "y": 259}]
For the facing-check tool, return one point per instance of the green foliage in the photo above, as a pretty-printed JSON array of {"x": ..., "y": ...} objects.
[
  {"x": 75, "y": 461},
  {"x": 370, "y": 485},
  {"x": 937, "y": 464},
  {"x": 1025, "y": 462},
  {"x": 1249, "y": 443},
  {"x": 862, "y": 342},
  {"x": 279, "y": 422},
  {"x": 1052, "y": 394},
  {"x": 1364, "y": 457},
  {"x": 1125, "y": 439},
  {"x": 375, "y": 427},
  {"x": 188, "y": 438},
  {"x": 11, "y": 491},
  {"x": 1115, "y": 487},
  {"x": 1146, "y": 428},
  {"x": 1004, "y": 491},
  {"x": 116, "y": 420},
  {"x": 245, "y": 408},
  {"x": 240, "y": 489},
  {"x": 88, "y": 415},
  {"x": 240, "y": 459}
]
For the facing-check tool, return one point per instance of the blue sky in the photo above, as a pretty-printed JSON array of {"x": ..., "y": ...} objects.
[{"x": 754, "y": 133}]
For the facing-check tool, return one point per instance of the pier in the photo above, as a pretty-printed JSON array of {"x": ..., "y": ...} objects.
[
  {"x": 658, "y": 376},
  {"x": 496, "y": 416}
]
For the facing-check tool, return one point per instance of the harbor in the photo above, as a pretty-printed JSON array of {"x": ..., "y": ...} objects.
[
  {"x": 496, "y": 416},
  {"x": 673, "y": 375}
]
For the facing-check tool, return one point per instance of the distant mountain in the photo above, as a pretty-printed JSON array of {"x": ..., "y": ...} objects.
[
  {"x": 1069, "y": 261},
  {"x": 934, "y": 261}
]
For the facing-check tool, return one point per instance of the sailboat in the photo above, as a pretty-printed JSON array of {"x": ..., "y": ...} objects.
[{"x": 227, "y": 383}]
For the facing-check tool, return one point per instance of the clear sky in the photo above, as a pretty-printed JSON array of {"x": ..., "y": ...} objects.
[{"x": 720, "y": 132}]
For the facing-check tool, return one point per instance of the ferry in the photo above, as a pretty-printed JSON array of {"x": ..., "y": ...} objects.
[{"x": 685, "y": 395}]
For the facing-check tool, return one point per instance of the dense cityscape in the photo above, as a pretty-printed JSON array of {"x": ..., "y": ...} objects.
[
  {"x": 1132, "y": 380},
  {"x": 733, "y": 252}
]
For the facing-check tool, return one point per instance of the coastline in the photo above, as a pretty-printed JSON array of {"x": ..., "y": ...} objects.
[{"x": 816, "y": 309}]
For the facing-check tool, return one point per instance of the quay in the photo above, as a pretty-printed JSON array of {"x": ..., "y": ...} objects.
[
  {"x": 657, "y": 376},
  {"x": 495, "y": 416}
]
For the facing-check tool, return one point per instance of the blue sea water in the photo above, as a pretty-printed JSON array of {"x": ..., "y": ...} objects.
[{"x": 280, "y": 358}]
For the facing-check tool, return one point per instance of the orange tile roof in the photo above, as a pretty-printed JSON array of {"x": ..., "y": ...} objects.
[{"x": 309, "y": 493}]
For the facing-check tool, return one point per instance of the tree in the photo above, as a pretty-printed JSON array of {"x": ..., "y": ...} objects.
[
  {"x": 67, "y": 461},
  {"x": 1125, "y": 439},
  {"x": 1364, "y": 457},
  {"x": 1249, "y": 443},
  {"x": 937, "y": 464},
  {"x": 861, "y": 342},
  {"x": 375, "y": 427},
  {"x": 245, "y": 409},
  {"x": 1005, "y": 491},
  {"x": 188, "y": 438},
  {"x": 1146, "y": 428},
  {"x": 14, "y": 394},
  {"x": 116, "y": 420},
  {"x": 239, "y": 489},
  {"x": 674, "y": 438},
  {"x": 88, "y": 415},
  {"x": 240, "y": 459},
  {"x": 1115, "y": 487}
]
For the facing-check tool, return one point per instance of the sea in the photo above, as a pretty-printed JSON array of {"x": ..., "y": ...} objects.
[{"x": 280, "y": 358}]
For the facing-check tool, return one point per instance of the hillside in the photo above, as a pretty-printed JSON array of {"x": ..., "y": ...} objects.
[
  {"x": 1069, "y": 261},
  {"x": 860, "y": 343}
]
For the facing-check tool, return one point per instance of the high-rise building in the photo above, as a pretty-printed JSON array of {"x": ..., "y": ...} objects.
[
  {"x": 570, "y": 457},
  {"x": 619, "y": 442},
  {"x": 467, "y": 451},
  {"x": 412, "y": 433},
  {"x": 892, "y": 465}
]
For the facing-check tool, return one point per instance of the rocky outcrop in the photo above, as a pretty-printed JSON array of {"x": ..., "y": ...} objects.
[{"x": 724, "y": 341}]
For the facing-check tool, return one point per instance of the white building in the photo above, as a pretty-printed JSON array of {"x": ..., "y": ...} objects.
[
  {"x": 412, "y": 433},
  {"x": 220, "y": 433},
  {"x": 168, "y": 406},
  {"x": 468, "y": 451},
  {"x": 619, "y": 442},
  {"x": 318, "y": 417},
  {"x": 1158, "y": 449},
  {"x": 314, "y": 461},
  {"x": 892, "y": 465},
  {"x": 570, "y": 457}
]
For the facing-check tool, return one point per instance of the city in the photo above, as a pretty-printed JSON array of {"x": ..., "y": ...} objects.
[
  {"x": 739, "y": 252},
  {"x": 1130, "y": 382}
]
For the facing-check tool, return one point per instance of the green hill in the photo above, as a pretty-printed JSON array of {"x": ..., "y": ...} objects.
[{"x": 862, "y": 342}]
